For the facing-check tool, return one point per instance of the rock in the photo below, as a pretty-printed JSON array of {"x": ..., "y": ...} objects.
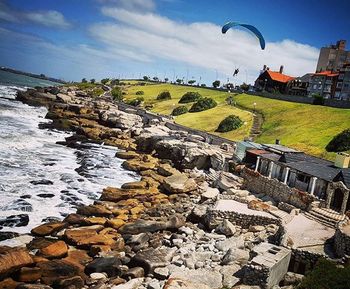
[
  {"x": 235, "y": 255},
  {"x": 154, "y": 284},
  {"x": 177, "y": 283},
  {"x": 228, "y": 278},
  {"x": 57, "y": 249},
  {"x": 33, "y": 286},
  {"x": 134, "y": 185},
  {"x": 15, "y": 221},
  {"x": 210, "y": 194},
  {"x": 64, "y": 98},
  {"x": 120, "y": 119},
  {"x": 292, "y": 279},
  {"x": 75, "y": 282},
  {"x": 12, "y": 259},
  {"x": 209, "y": 277},
  {"x": 186, "y": 230},
  {"x": 8, "y": 284},
  {"x": 98, "y": 276},
  {"x": 142, "y": 226},
  {"x": 18, "y": 205},
  {"x": 55, "y": 270},
  {"x": 226, "y": 228},
  {"x": 198, "y": 214},
  {"x": 233, "y": 242},
  {"x": 179, "y": 183},
  {"x": 227, "y": 181},
  {"x": 132, "y": 284},
  {"x": 151, "y": 258},
  {"x": 115, "y": 223},
  {"x": 166, "y": 170},
  {"x": 94, "y": 210},
  {"x": 108, "y": 265},
  {"x": 8, "y": 235},
  {"x": 256, "y": 228},
  {"x": 161, "y": 273},
  {"x": 136, "y": 272},
  {"x": 28, "y": 274},
  {"x": 42, "y": 182},
  {"x": 127, "y": 155},
  {"x": 48, "y": 229}
]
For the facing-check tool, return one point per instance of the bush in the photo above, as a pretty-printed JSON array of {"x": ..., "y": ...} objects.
[
  {"x": 340, "y": 143},
  {"x": 136, "y": 101},
  {"x": 216, "y": 83},
  {"x": 318, "y": 99},
  {"x": 140, "y": 92},
  {"x": 231, "y": 122},
  {"x": 190, "y": 97},
  {"x": 164, "y": 95},
  {"x": 326, "y": 275},
  {"x": 203, "y": 104},
  {"x": 179, "y": 110},
  {"x": 117, "y": 93}
]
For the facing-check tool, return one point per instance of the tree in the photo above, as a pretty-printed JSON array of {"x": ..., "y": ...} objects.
[
  {"x": 117, "y": 93},
  {"x": 115, "y": 81},
  {"x": 192, "y": 81},
  {"x": 84, "y": 80},
  {"x": 216, "y": 83},
  {"x": 166, "y": 79},
  {"x": 146, "y": 78},
  {"x": 155, "y": 78},
  {"x": 179, "y": 81},
  {"x": 104, "y": 80},
  {"x": 92, "y": 80},
  {"x": 244, "y": 86}
]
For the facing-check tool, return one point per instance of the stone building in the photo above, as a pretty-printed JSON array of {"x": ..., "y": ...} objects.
[
  {"x": 342, "y": 89},
  {"x": 299, "y": 86},
  {"x": 323, "y": 83},
  {"x": 333, "y": 57},
  {"x": 327, "y": 182}
]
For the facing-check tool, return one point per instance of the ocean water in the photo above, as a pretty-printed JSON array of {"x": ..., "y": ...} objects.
[{"x": 40, "y": 179}]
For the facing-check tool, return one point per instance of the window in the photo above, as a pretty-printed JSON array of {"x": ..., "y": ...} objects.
[
  {"x": 314, "y": 86},
  {"x": 303, "y": 178}
]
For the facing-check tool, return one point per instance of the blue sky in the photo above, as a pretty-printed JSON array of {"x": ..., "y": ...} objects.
[{"x": 72, "y": 39}]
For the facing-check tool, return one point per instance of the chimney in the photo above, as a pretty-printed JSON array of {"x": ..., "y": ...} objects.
[
  {"x": 342, "y": 160},
  {"x": 281, "y": 69},
  {"x": 264, "y": 67},
  {"x": 277, "y": 142}
]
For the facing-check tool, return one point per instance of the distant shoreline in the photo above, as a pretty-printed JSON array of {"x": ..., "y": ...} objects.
[{"x": 39, "y": 76}]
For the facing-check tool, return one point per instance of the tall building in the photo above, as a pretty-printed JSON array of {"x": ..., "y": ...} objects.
[
  {"x": 342, "y": 90},
  {"x": 333, "y": 57},
  {"x": 323, "y": 83}
]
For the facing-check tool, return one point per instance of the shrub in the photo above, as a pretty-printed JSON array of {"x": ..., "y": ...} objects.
[
  {"x": 216, "y": 83},
  {"x": 340, "y": 143},
  {"x": 231, "y": 122},
  {"x": 326, "y": 275},
  {"x": 164, "y": 95},
  {"x": 104, "y": 80},
  {"x": 136, "y": 101},
  {"x": 140, "y": 92},
  {"x": 203, "y": 104},
  {"x": 179, "y": 110},
  {"x": 318, "y": 99},
  {"x": 117, "y": 93},
  {"x": 190, "y": 97}
]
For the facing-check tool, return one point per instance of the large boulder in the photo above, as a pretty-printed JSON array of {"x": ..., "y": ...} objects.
[
  {"x": 228, "y": 181},
  {"x": 177, "y": 283},
  {"x": 48, "y": 228},
  {"x": 57, "y": 249},
  {"x": 179, "y": 183},
  {"x": 119, "y": 119},
  {"x": 236, "y": 256},
  {"x": 12, "y": 259},
  {"x": 55, "y": 270},
  {"x": 226, "y": 228},
  {"x": 108, "y": 265}
]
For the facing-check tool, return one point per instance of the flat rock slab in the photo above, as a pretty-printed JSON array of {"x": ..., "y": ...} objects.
[
  {"x": 152, "y": 258},
  {"x": 177, "y": 283},
  {"x": 179, "y": 183},
  {"x": 209, "y": 277},
  {"x": 12, "y": 259},
  {"x": 48, "y": 229}
]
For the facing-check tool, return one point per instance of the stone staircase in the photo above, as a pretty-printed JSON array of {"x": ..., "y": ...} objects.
[
  {"x": 327, "y": 217},
  {"x": 255, "y": 131}
]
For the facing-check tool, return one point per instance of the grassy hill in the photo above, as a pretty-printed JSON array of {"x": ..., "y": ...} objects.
[{"x": 301, "y": 126}]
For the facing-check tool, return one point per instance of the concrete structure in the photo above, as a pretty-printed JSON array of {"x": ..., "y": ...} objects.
[
  {"x": 333, "y": 57},
  {"x": 269, "y": 265},
  {"x": 323, "y": 83},
  {"x": 272, "y": 81},
  {"x": 319, "y": 178},
  {"x": 342, "y": 89}
]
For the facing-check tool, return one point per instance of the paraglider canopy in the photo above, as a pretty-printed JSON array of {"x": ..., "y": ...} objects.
[{"x": 251, "y": 28}]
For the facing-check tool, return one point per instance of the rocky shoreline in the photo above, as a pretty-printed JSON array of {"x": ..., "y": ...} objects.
[{"x": 154, "y": 233}]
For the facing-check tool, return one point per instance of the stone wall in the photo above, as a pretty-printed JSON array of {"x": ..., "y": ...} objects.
[
  {"x": 214, "y": 218},
  {"x": 342, "y": 239},
  {"x": 280, "y": 192},
  {"x": 303, "y": 260}
]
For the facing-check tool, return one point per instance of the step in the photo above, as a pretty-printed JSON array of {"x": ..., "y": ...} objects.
[
  {"x": 323, "y": 217},
  {"x": 323, "y": 222},
  {"x": 329, "y": 213}
]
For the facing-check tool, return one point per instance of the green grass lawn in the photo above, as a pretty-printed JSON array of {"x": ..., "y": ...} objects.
[
  {"x": 302, "y": 126},
  {"x": 206, "y": 120}
]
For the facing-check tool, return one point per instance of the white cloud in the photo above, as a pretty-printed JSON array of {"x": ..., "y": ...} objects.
[
  {"x": 132, "y": 5},
  {"x": 49, "y": 18},
  {"x": 201, "y": 44}
]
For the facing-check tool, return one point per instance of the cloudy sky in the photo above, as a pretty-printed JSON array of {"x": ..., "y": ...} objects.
[{"x": 72, "y": 39}]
